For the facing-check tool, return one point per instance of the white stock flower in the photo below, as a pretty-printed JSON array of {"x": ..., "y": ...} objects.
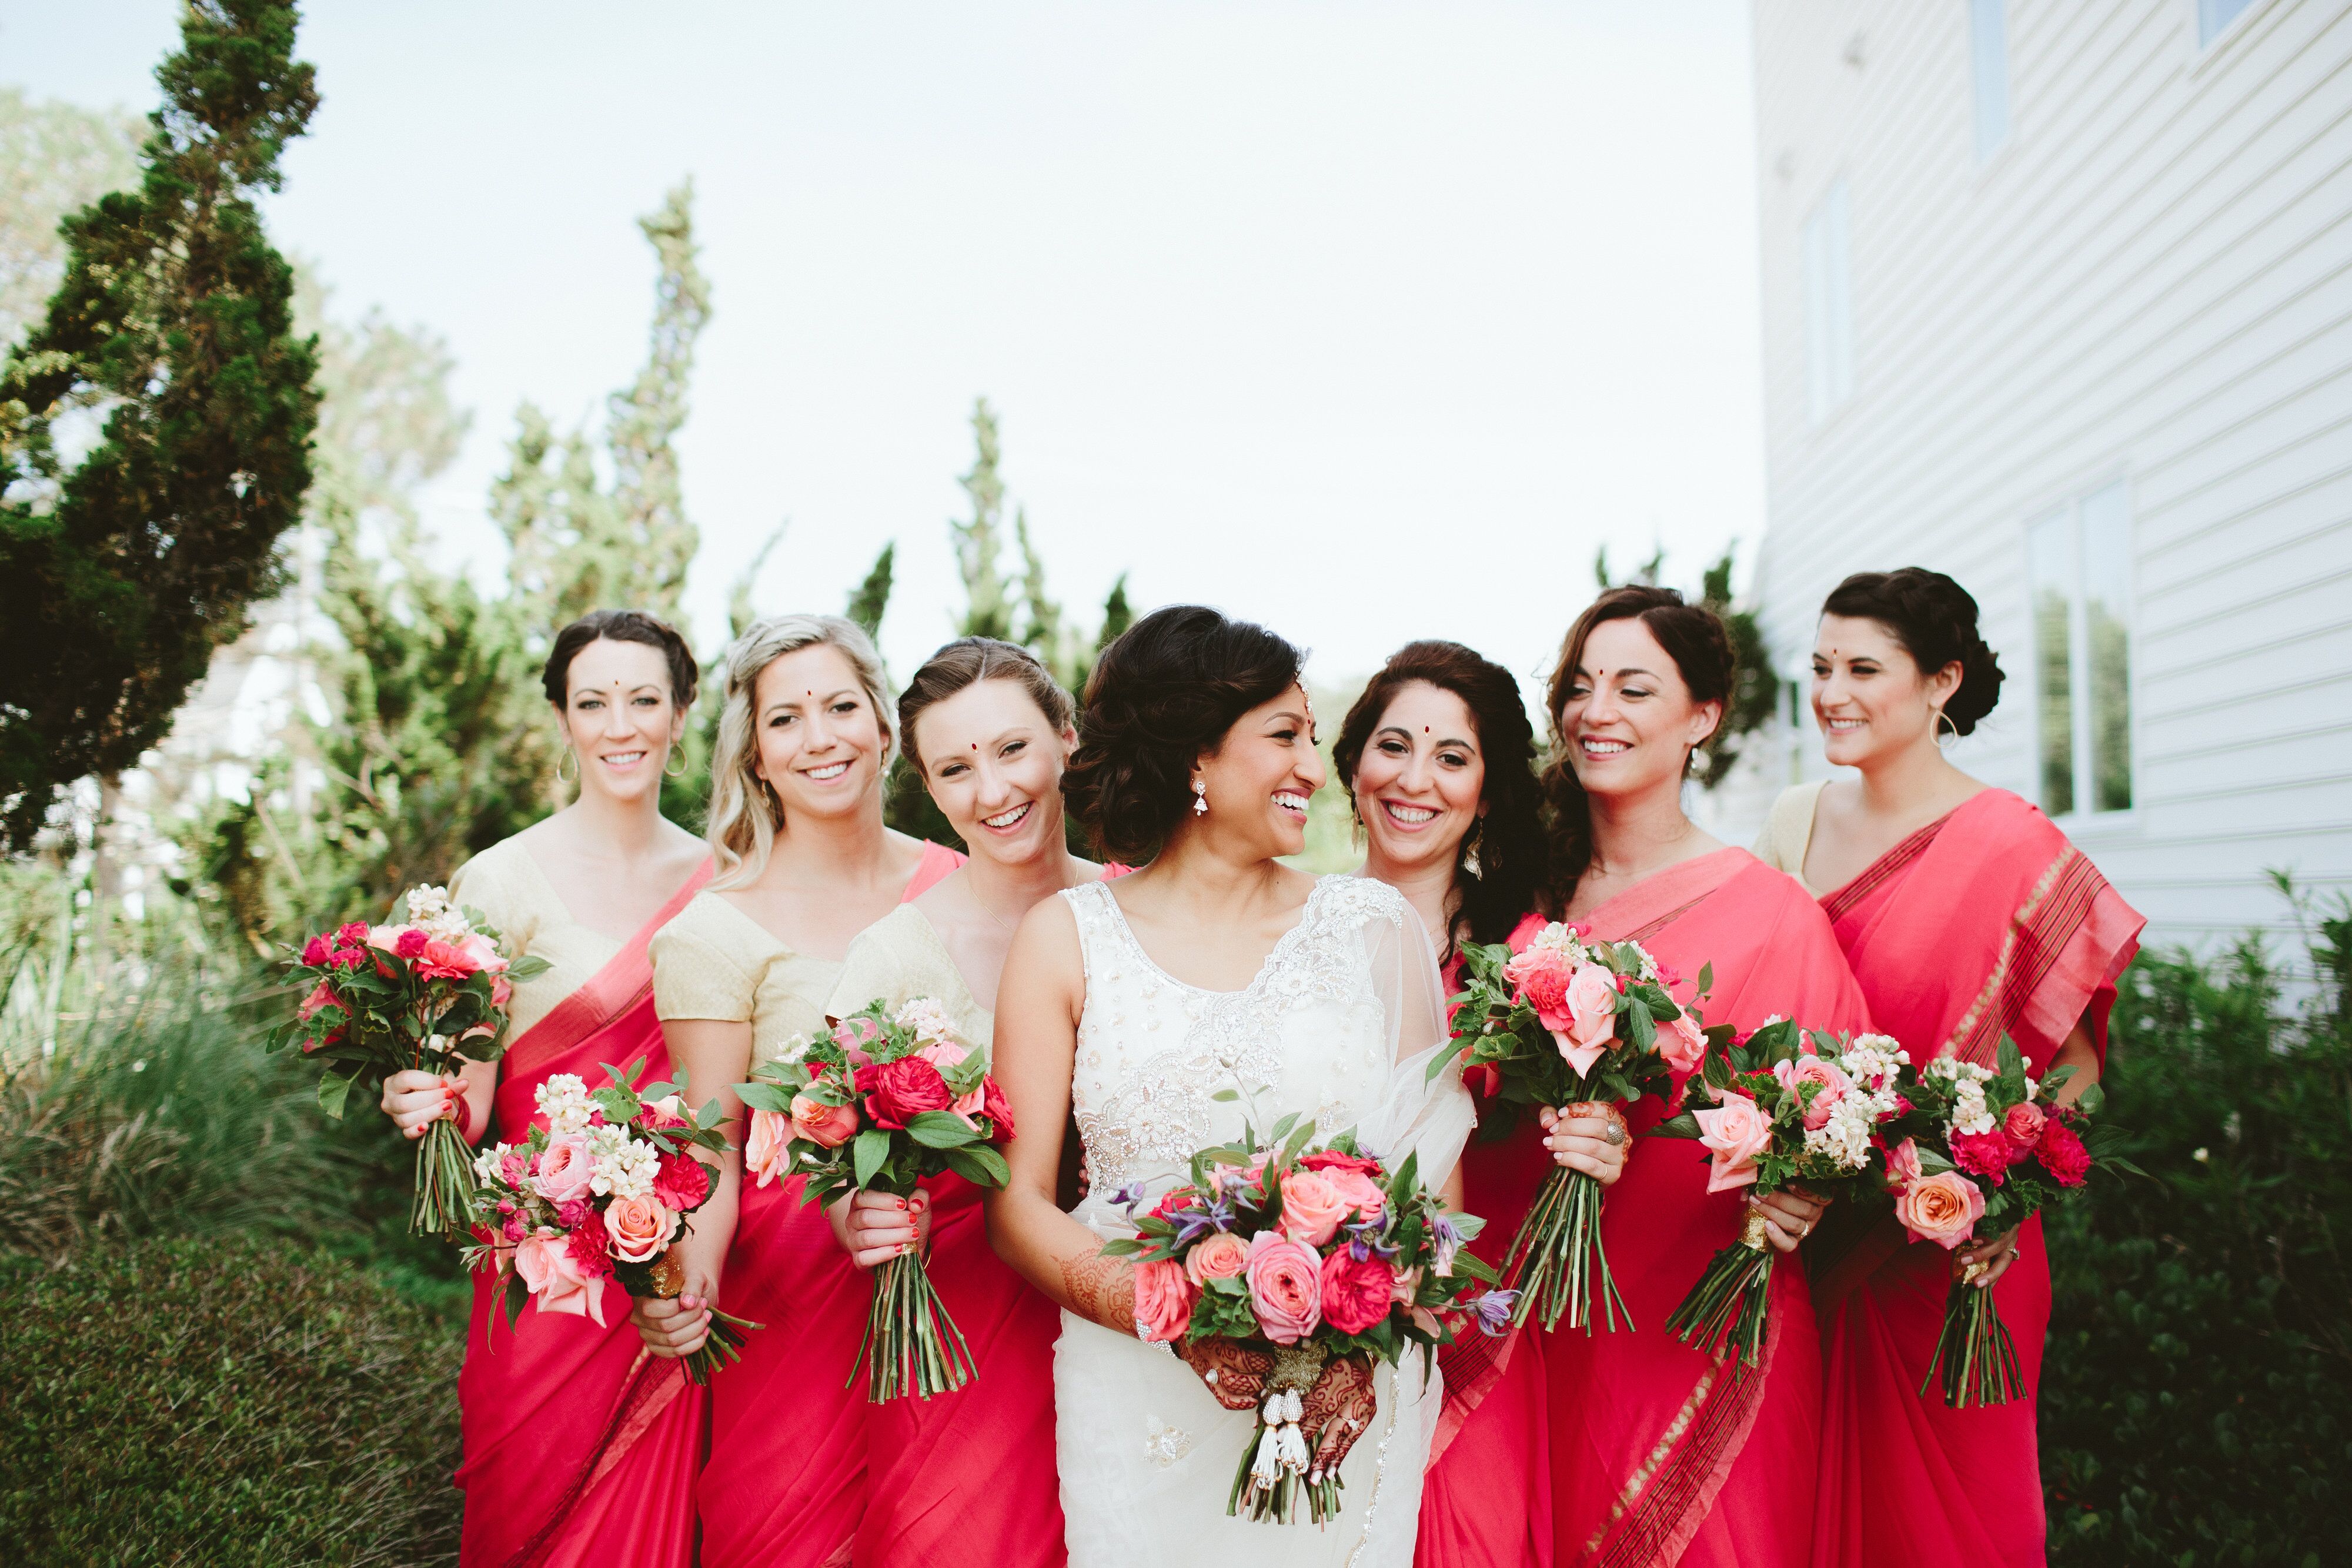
[
  {"x": 563, "y": 1100},
  {"x": 626, "y": 1171},
  {"x": 927, "y": 1019},
  {"x": 486, "y": 1163}
]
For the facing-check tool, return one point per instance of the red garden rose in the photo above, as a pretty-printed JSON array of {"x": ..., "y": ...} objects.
[
  {"x": 999, "y": 1109},
  {"x": 682, "y": 1182},
  {"x": 899, "y": 1092},
  {"x": 1333, "y": 1160},
  {"x": 314, "y": 952},
  {"x": 352, "y": 933},
  {"x": 1356, "y": 1295},
  {"x": 1175, "y": 1197},
  {"x": 2023, "y": 1124},
  {"x": 2063, "y": 1154}
]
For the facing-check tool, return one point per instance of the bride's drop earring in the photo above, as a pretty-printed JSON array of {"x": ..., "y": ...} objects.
[
  {"x": 1944, "y": 724},
  {"x": 1200, "y": 797},
  {"x": 1470, "y": 852}
]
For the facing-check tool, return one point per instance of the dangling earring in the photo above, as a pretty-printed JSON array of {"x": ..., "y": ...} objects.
[
  {"x": 677, "y": 756},
  {"x": 1470, "y": 849},
  {"x": 572, "y": 758},
  {"x": 1943, "y": 722},
  {"x": 1200, "y": 797}
]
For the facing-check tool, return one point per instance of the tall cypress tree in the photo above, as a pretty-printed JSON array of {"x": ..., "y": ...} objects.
[{"x": 118, "y": 575}]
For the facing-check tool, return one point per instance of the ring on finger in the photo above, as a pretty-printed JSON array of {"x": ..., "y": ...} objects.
[{"x": 1616, "y": 1135}]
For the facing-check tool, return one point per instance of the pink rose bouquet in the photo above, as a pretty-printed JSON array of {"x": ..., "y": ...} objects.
[
  {"x": 881, "y": 1102},
  {"x": 1563, "y": 1021},
  {"x": 1786, "y": 1108},
  {"x": 600, "y": 1191},
  {"x": 1977, "y": 1152},
  {"x": 430, "y": 993},
  {"x": 1306, "y": 1256}
]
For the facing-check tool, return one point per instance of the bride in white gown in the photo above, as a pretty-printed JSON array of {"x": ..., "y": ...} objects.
[{"x": 1131, "y": 1007}]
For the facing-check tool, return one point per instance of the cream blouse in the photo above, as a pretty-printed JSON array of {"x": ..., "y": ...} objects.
[
  {"x": 1789, "y": 832},
  {"x": 713, "y": 961},
  {"x": 504, "y": 883},
  {"x": 899, "y": 958}
]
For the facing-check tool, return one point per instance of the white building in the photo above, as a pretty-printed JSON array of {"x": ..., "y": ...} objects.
[{"x": 2057, "y": 298}]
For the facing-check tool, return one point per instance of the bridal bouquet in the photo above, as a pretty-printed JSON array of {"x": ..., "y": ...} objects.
[
  {"x": 1983, "y": 1150},
  {"x": 878, "y": 1103},
  {"x": 1788, "y": 1108},
  {"x": 430, "y": 993},
  {"x": 1569, "y": 1019},
  {"x": 1310, "y": 1266},
  {"x": 600, "y": 1191}
]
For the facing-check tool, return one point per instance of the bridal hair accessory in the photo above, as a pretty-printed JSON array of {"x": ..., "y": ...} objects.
[{"x": 1200, "y": 797}]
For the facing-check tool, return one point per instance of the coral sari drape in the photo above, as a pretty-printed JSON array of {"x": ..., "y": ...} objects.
[
  {"x": 1643, "y": 1450},
  {"x": 580, "y": 1448},
  {"x": 1986, "y": 922}
]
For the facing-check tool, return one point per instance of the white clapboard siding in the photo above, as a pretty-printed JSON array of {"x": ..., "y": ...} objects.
[{"x": 2151, "y": 282}]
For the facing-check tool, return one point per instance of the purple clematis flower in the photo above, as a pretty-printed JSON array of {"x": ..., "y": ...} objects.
[{"x": 1493, "y": 1311}]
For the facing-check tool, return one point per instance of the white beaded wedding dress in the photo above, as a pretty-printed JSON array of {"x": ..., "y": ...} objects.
[{"x": 1338, "y": 1025}]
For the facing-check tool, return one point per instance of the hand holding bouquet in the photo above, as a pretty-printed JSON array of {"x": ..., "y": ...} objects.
[
  {"x": 1284, "y": 1275},
  {"x": 427, "y": 995},
  {"x": 1569, "y": 1019},
  {"x": 882, "y": 1101},
  {"x": 1786, "y": 1107},
  {"x": 601, "y": 1191},
  {"x": 1981, "y": 1151}
]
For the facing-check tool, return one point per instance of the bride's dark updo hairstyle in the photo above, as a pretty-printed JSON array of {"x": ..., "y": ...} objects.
[
  {"x": 1509, "y": 839},
  {"x": 1166, "y": 691},
  {"x": 1934, "y": 619},
  {"x": 620, "y": 626},
  {"x": 1693, "y": 638}
]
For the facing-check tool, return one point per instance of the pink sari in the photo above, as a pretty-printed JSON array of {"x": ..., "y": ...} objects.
[
  {"x": 785, "y": 1483},
  {"x": 1650, "y": 1453},
  {"x": 580, "y": 1448},
  {"x": 1986, "y": 922}
]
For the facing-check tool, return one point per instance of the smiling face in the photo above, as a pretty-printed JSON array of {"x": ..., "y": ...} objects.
[
  {"x": 992, "y": 762},
  {"x": 1260, "y": 779},
  {"x": 820, "y": 743},
  {"x": 619, "y": 719},
  {"x": 1419, "y": 784},
  {"x": 1869, "y": 695},
  {"x": 1628, "y": 722}
]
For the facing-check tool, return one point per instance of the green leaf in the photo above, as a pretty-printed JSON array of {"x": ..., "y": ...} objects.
[
  {"x": 978, "y": 1164},
  {"x": 333, "y": 1091},
  {"x": 1684, "y": 1125},
  {"x": 1706, "y": 977},
  {"x": 516, "y": 1295},
  {"x": 940, "y": 1130},
  {"x": 868, "y": 1152},
  {"x": 763, "y": 1097},
  {"x": 1640, "y": 1032}
]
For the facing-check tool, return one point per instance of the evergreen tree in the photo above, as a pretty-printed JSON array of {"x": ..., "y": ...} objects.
[
  {"x": 54, "y": 159},
  {"x": 120, "y": 574},
  {"x": 978, "y": 543},
  {"x": 871, "y": 598}
]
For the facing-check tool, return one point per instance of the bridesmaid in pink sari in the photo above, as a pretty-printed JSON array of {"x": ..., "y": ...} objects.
[
  {"x": 580, "y": 1448},
  {"x": 1661, "y": 1453},
  {"x": 1439, "y": 759},
  {"x": 805, "y": 864},
  {"x": 1966, "y": 915}
]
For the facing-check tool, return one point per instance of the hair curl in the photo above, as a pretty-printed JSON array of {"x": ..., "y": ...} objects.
[
  {"x": 1693, "y": 638},
  {"x": 620, "y": 626},
  {"x": 967, "y": 661},
  {"x": 1509, "y": 839},
  {"x": 1934, "y": 619},
  {"x": 1161, "y": 694}
]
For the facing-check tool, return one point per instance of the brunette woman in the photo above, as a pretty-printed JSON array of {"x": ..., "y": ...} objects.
[
  {"x": 1439, "y": 759},
  {"x": 1659, "y": 1453},
  {"x": 969, "y": 1474},
  {"x": 579, "y": 1448},
  {"x": 805, "y": 864},
  {"x": 1966, "y": 916}
]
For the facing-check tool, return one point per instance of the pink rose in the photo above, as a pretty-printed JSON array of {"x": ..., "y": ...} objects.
[
  {"x": 409, "y": 942},
  {"x": 1285, "y": 1286},
  {"x": 1943, "y": 1208},
  {"x": 1163, "y": 1300},
  {"x": 1356, "y": 1294},
  {"x": 1903, "y": 1166},
  {"x": 669, "y": 1111},
  {"x": 764, "y": 1147},
  {"x": 1312, "y": 1207},
  {"x": 2023, "y": 1124},
  {"x": 1737, "y": 1131},
  {"x": 483, "y": 952},
  {"x": 1578, "y": 1003},
  {"x": 501, "y": 990},
  {"x": 1358, "y": 1192},
  {"x": 551, "y": 1273},
  {"x": 681, "y": 1182},
  {"x": 853, "y": 1035},
  {"x": 1219, "y": 1255},
  {"x": 827, "y": 1126},
  {"x": 1812, "y": 1068},
  {"x": 1683, "y": 1043},
  {"x": 640, "y": 1227},
  {"x": 563, "y": 1171},
  {"x": 314, "y": 953},
  {"x": 1406, "y": 1286},
  {"x": 514, "y": 1167},
  {"x": 352, "y": 934},
  {"x": 319, "y": 997},
  {"x": 943, "y": 1053},
  {"x": 2063, "y": 1154}
]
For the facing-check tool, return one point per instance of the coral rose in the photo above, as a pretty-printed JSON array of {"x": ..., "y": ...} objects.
[
  {"x": 1163, "y": 1300},
  {"x": 564, "y": 1170},
  {"x": 1359, "y": 1192},
  {"x": 899, "y": 1092},
  {"x": 2023, "y": 1124},
  {"x": 764, "y": 1147},
  {"x": 682, "y": 1182},
  {"x": 1943, "y": 1208},
  {"x": 2064, "y": 1156},
  {"x": 827, "y": 1126},
  {"x": 1683, "y": 1043},
  {"x": 1312, "y": 1207},
  {"x": 1903, "y": 1164},
  {"x": 551, "y": 1273},
  {"x": 1285, "y": 1287},
  {"x": 1356, "y": 1294},
  {"x": 640, "y": 1227},
  {"x": 1736, "y": 1132},
  {"x": 1219, "y": 1255}
]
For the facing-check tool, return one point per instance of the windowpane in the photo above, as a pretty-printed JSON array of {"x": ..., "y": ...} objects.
[
  {"x": 2050, "y": 560},
  {"x": 1825, "y": 255},
  {"x": 1989, "y": 46},
  {"x": 2212, "y": 16},
  {"x": 2106, "y": 614}
]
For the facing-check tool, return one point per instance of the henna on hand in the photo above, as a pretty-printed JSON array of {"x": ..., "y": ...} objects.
[
  {"x": 1340, "y": 1409},
  {"x": 1240, "y": 1372},
  {"x": 1101, "y": 1291}
]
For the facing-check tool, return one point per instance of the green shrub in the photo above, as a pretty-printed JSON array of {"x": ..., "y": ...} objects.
[
  {"x": 222, "y": 1402},
  {"x": 2196, "y": 1397}
]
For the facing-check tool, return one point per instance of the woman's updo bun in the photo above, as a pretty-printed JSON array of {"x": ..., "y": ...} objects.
[
  {"x": 620, "y": 626},
  {"x": 1934, "y": 619},
  {"x": 1166, "y": 691}
]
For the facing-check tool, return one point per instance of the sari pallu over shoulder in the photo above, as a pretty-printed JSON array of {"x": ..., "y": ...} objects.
[
  {"x": 1986, "y": 922},
  {"x": 580, "y": 1448}
]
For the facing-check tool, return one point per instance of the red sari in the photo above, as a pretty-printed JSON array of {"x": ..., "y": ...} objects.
[
  {"x": 580, "y": 1448},
  {"x": 1986, "y": 922},
  {"x": 1642, "y": 1449},
  {"x": 785, "y": 1483}
]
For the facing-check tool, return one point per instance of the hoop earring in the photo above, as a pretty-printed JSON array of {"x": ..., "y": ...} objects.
[
  {"x": 678, "y": 757},
  {"x": 1200, "y": 797},
  {"x": 572, "y": 758},
  {"x": 1944, "y": 723}
]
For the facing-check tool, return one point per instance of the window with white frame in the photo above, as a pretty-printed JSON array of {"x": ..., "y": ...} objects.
[
  {"x": 1828, "y": 269},
  {"x": 1988, "y": 56},
  {"x": 2078, "y": 570},
  {"x": 2213, "y": 16}
]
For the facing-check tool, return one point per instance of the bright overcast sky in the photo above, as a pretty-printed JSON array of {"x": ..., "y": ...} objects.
[{"x": 1369, "y": 321}]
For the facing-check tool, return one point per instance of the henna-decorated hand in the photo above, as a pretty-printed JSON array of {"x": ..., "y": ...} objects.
[
  {"x": 1339, "y": 1409},
  {"x": 1235, "y": 1374}
]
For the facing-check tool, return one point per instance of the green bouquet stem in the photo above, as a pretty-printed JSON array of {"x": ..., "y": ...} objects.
[
  {"x": 911, "y": 1345},
  {"x": 1726, "y": 1311},
  {"x": 723, "y": 1348},
  {"x": 1557, "y": 1255},
  {"x": 1974, "y": 1351},
  {"x": 445, "y": 1182}
]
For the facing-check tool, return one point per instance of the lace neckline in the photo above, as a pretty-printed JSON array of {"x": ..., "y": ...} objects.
[{"x": 1267, "y": 966}]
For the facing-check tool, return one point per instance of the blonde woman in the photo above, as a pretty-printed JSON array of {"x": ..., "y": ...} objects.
[{"x": 805, "y": 864}]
